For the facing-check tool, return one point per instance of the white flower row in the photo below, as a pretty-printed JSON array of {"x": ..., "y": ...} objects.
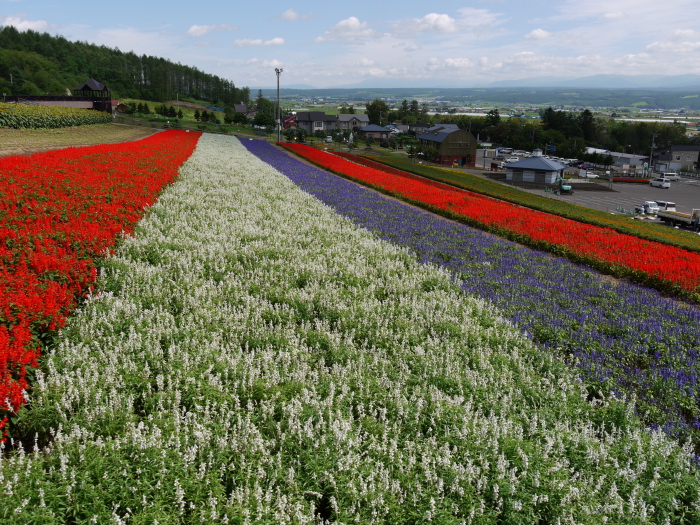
[{"x": 254, "y": 358}]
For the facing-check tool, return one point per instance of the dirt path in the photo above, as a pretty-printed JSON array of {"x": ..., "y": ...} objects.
[{"x": 28, "y": 141}]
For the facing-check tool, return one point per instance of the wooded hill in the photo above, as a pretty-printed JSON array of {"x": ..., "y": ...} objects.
[{"x": 33, "y": 63}]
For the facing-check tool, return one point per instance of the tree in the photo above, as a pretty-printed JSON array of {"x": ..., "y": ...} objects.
[
  {"x": 493, "y": 118},
  {"x": 377, "y": 111},
  {"x": 264, "y": 119},
  {"x": 197, "y": 115}
]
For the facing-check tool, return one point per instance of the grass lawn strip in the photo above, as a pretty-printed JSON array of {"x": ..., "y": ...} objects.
[{"x": 253, "y": 357}]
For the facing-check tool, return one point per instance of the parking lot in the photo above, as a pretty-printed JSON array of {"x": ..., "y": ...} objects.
[{"x": 603, "y": 196}]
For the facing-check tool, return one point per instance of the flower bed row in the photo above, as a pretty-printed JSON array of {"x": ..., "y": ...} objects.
[
  {"x": 622, "y": 337},
  {"x": 622, "y": 224},
  {"x": 58, "y": 211},
  {"x": 253, "y": 357},
  {"x": 667, "y": 268}
]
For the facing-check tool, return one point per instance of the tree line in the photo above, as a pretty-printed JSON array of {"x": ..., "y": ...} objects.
[
  {"x": 34, "y": 63},
  {"x": 565, "y": 132}
]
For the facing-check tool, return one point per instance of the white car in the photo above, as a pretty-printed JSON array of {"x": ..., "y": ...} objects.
[
  {"x": 660, "y": 183},
  {"x": 671, "y": 176},
  {"x": 512, "y": 159},
  {"x": 591, "y": 175},
  {"x": 650, "y": 207}
]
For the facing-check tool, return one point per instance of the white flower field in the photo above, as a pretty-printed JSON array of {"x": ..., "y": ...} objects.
[{"x": 253, "y": 357}]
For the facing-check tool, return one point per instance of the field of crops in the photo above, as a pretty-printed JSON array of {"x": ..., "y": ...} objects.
[
  {"x": 21, "y": 116},
  {"x": 269, "y": 347}
]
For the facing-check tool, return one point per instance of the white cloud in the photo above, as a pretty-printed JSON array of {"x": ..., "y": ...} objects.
[
  {"x": 271, "y": 63},
  {"x": 250, "y": 42},
  {"x": 458, "y": 63},
  {"x": 670, "y": 48},
  {"x": 469, "y": 18},
  {"x": 479, "y": 17},
  {"x": 617, "y": 15},
  {"x": 291, "y": 16},
  {"x": 19, "y": 23},
  {"x": 685, "y": 34},
  {"x": 366, "y": 62},
  {"x": 432, "y": 22},
  {"x": 349, "y": 30},
  {"x": 198, "y": 31},
  {"x": 538, "y": 34}
]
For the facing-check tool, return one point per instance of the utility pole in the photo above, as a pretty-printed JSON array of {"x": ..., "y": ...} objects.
[
  {"x": 279, "y": 110},
  {"x": 651, "y": 153}
]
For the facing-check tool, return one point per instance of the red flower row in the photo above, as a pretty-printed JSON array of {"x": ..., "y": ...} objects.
[
  {"x": 58, "y": 211},
  {"x": 584, "y": 242}
]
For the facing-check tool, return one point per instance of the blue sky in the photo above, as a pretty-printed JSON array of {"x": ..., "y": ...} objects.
[{"x": 407, "y": 43}]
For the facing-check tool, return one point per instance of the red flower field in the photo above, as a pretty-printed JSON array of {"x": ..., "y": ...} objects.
[
  {"x": 58, "y": 211},
  {"x": 644, "y": 260}
]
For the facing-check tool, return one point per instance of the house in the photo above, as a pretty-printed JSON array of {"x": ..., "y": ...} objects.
[
  {"x": 535, "y": 169},
  {"x": 374, "y": 131},
  {"x": 312, "y": 121},
  {"x": 351, "y": 121},
  {"x": 677, "y": 158},
  {"x": 453, "y": 145}
]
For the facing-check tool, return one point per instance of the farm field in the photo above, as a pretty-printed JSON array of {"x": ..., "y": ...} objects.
[{"x": 251, "y": 354}]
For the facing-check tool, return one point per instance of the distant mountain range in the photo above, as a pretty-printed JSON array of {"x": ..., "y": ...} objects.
[
  {"x": 681, "y": 82},
  {"x": 677, "y": 82}
]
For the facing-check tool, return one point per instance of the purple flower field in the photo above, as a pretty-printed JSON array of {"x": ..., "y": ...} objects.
[{"x": 623, "y": 337}]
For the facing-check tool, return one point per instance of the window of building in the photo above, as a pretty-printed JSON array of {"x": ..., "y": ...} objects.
[
  {"x": 540, "y": 176},
  {"x": 318, "y": 124}
]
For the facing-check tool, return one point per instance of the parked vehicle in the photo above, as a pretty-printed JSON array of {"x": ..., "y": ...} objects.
[
  {"x": 671, "y": 176},
  {"x": 512, "y": 159},
  {"x": 562, "y": 187},
  {"x": 648, "y": 208},
  {"x": 652, "y": 207},
  {"x": 666, "y": 205},
  {"x": 660, "y": 183},
  {"x": 677, "y": 218},
  {"x": 329, "y": 138}
]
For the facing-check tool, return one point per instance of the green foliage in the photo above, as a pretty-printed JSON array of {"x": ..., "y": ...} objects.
[{"x": 52, "y": 63}]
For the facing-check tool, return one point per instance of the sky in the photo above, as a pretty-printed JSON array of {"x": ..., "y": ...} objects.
[{"x": 385, "y": 44}]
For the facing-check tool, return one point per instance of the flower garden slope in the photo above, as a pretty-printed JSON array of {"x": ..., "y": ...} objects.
[
  {"x": 622, "y": 336},
  {"x": 59, "y": 211},
  {"x": 253, "y": 357}
]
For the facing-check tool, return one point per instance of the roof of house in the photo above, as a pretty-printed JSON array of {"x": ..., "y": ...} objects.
[
  {"x": 311, "y": 116},
  {"x": 240, "y": 108},
  {"x": 438, "y": 136},
  {"x": 374, "y": 127},
  {"x": 91, "y": 85},
  {"x": 538, "y": 164},
  {"x": 347, "y": 117},
  {"x": 442, "y": 127}
]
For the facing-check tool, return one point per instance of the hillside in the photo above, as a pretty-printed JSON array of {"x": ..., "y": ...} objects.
[{"x": 33, "y": 63}]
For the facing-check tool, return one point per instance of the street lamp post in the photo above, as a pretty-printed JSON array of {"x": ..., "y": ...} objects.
[{"x": 279, "y": 110}]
